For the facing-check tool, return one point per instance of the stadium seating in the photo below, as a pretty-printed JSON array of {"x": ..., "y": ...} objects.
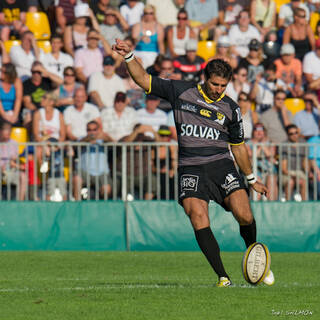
[
  {"x": 38, "y": 23},
  {"x": 204, "y": 34},
  {"x": 314, "y": 18},
  {"x": 20, "y": 135},
  {"x": 45, "y": 45},
  {"x": 10, "y": 43},
  {"x": 294, "y": 105},
  {"x": 279, "y": 3},
  {"x": 206, "y": 49}
]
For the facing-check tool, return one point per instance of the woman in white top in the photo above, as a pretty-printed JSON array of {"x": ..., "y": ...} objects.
[
  {"x": 179, "y": 35},
  {"x": 249, "y": 117},
  {"x": 48, "y": 121}
]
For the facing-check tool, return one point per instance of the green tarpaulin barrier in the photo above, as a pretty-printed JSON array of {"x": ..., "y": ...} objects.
[{"x": 149, "y": 225}]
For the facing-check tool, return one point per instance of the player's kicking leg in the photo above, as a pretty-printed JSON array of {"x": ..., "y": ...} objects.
[
  {"x": 197, "y": 211},
  {"x": 239, "y": 204}
]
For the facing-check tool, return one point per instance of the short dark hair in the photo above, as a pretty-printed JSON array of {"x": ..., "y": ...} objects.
[
  {"x": 280, "y": 91},
  {"x": 271, "y": 67},
  {"x": 92, "y": 122},
  {"x": 183, "y": 11},
  {"x": 219, "y": 68},
  {"x": 56, "y": 36},
  {"x": 291, "y": 126}
]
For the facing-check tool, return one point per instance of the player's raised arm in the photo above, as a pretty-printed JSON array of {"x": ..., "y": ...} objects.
[{"x": 138, "y": 74}]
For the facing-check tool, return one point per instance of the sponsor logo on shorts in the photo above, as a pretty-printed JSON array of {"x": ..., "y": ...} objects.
[
  {"x": 199, "y": 131},
  {"x": 220, "y": 118},
  {"x": 205, "y": 113},
  {"x": 189, "y": 107},
  {"x": 189, "y": 182},
  {"x": 230, "y": 183}
]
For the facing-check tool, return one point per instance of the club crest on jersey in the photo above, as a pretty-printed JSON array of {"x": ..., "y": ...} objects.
[
  {"x": 220, "y": 118},
  {"x": 205, "y": 113},
  {"x": 194, "y": 130}
]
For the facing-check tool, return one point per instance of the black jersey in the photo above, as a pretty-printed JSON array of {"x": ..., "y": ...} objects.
[{"x": 205, "y": 127}]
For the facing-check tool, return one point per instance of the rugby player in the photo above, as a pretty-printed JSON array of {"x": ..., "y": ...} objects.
[{"x": 207, "y": 121}]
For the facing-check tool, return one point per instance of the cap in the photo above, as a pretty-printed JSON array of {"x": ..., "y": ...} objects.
[
  {"x": 120, "y": 97},
  {"x": 318, "y": 43},
  {"x": 81, "y": 10},
  {"x": 108, "y": 61},
  {"x": 164, "y": 130},
  {"x": 191, "y": 45},
  {"x": 254, "y": 44},
  {"x": 152, "y": 97},
  {"x": 287, "y": 48},
  {"x": 223, "y": 41}
]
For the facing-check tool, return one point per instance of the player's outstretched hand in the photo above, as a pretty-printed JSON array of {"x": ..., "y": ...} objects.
[
  {"x": 121, "y": 47},
  {"x": 260, "y": 188}
]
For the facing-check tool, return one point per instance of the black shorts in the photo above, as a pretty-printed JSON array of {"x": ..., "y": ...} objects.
[{"x": 213, "y": 181}]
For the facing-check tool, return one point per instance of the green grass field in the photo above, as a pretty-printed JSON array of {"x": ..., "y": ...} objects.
[{"x": 152, "y": 285}]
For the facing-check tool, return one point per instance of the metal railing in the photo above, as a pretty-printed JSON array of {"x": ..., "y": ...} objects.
[{"x": 127, "y": 171}]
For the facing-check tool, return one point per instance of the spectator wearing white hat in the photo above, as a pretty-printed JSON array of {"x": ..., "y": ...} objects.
[
  {"x": 289, "y": 70},
  {"x": 75, "y": 35},
  {"x": 223, "y": 51},
  {"x": 190, "y": 64}
]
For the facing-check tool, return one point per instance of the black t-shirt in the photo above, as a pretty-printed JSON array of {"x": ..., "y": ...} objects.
[
  {"x": 36, "y": 92},
  {"x": 12, "y": 11},
  {"x": 191, "y": 71},
  {"x": 204, "y": 127}
]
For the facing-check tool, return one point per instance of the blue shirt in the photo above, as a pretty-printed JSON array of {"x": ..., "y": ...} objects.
[
  {"x": 8, "y": 98},
  {"x": 202, "y": 11},
  {"x": 93, "y": 160},
  {"x": 314, "y": 150},
  {"x": 307, "y": 122}
]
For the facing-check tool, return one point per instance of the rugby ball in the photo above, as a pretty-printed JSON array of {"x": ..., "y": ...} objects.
[{"x": 256, "y": 263}]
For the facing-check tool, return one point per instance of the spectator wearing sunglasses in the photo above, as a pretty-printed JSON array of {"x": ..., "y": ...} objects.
[
  {"x": 179, "y": 35},
  {"x": 307, "y": 120},
  {"x": 41, "y": 81},
  {"x": 65, "y": 91}
]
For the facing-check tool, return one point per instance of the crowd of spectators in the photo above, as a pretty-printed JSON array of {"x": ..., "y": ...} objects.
[{"x": 81, "y": 90}]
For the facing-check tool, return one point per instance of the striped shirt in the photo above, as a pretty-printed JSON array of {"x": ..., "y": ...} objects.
[{"x": 205, "y": 127}]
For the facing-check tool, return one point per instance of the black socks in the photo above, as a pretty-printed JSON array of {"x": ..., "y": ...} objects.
[
  {"x": 210, "y": 248},
  {"x": 249, "y": 233}
]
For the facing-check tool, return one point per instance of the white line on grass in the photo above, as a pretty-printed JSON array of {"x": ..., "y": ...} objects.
[{"x": 142, "y": 286}]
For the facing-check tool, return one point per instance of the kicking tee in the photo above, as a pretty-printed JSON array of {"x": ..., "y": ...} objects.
[{"x": 204, "y": 127}]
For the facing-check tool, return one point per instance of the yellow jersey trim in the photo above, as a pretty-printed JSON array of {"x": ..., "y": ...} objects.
[
  {"x": 206, "y": 98},
  {"x": 236, "y": 144},
  {"x": 149, "y": 91}
]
